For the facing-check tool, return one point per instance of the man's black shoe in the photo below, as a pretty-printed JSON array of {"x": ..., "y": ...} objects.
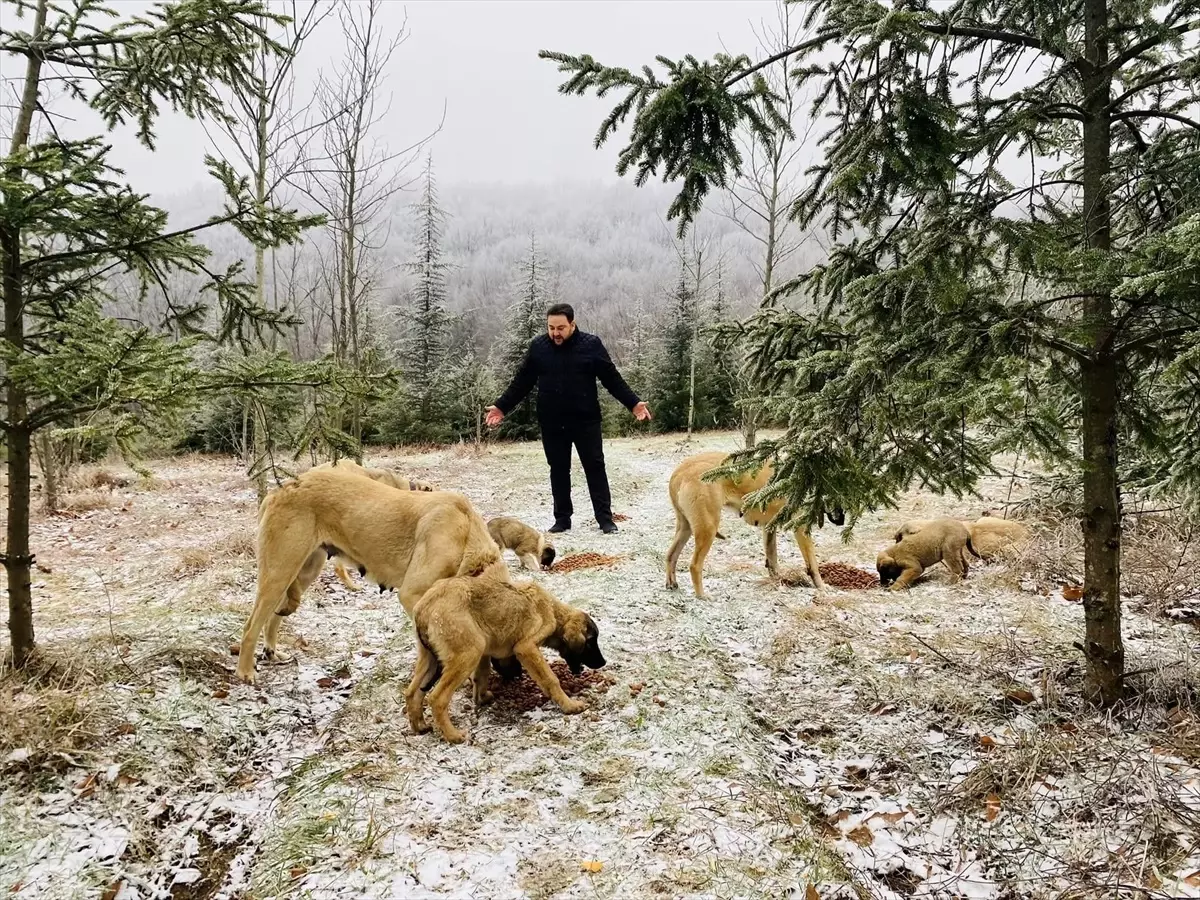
[
  {"x": 608, "y": 527},
  {"x": 559, "y": 527}
]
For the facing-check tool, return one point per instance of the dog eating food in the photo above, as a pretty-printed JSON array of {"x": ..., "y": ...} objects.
[{"x": 582, "y": 561}]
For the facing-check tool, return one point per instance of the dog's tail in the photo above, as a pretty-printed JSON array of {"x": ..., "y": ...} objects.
[
  {"x": 480, "y": 553},
  {"x": 437, "y": 663},
  {"x": 971, "y": 547}
]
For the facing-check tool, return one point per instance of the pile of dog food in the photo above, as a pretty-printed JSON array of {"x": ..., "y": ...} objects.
[
  {"x": 582, "y": 561},
  {"x": 620, "y": 517},
  {"x": 834, "y": 574},
  {"x": 522, "y": 694},
  {"x": 841, "y": 575}
]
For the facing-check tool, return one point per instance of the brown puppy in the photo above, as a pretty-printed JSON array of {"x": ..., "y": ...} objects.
[
  {"x": 942, "y": 540},
  {"x": 990, "y": 535},
  {"x": 698, "y": 506},
  {"x": 461, "y": 622},
  {"x": 402, "y": 539},
  {"x": 531, "y": 546},
  {"x": 384, "y": 476}
]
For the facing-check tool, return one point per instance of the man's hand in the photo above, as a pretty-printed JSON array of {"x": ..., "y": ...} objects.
[
  {"x": 494, "y": 417},
  {"x": 641, "y": 412}
]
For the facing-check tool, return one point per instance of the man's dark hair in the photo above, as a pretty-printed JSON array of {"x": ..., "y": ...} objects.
[{"x": 561, "y": 309}]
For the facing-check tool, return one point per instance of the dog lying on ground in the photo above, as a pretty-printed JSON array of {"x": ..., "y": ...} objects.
[
  {"x": 532, "y": 547},
  {"x": 384, "y": 476},
  {"x": 698, "y": 506},
  {"x": 400, "y": 539},
  {"x": 991, "y": 536},
  {"x": 940, "y": 540},
  {"x": 461, "y": 622}
]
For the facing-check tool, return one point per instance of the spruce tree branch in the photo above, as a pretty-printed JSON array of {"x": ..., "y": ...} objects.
[
  {"x": 1156, "y": 114},
  {"x": 1150, "y": 43},
  {"x": 112, "y": 249},
  {"x": 1153, "y": 337},
  {"x": 989, "y": 33},
  {"x": 1164, "y": 75},
  {"x": 812, "y": 43}
]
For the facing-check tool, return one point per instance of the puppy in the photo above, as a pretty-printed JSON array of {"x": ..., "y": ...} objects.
[
  {"x": 531, "y": 546},
  {"x": 991, "y": 536},
  {"x": 384, "y": 476},
  {"x": 942, "y": 540},
  {"x": 461, "y": 622}
]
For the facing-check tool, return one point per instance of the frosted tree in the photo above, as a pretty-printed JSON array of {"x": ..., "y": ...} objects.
[{"x": 526, "y": 320}]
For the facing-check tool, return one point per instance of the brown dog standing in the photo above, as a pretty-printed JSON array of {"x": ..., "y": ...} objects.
[
  {"x": 402, "y": 539},
  {"x": 461, "y": 622},
  {"x": 941, "y": 540},
  {"x": 698, "y": 506}
]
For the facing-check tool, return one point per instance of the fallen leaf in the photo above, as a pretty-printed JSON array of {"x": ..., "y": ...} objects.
[
  {"x": 810, "y": 893},
  {"x": 857, "y": 773},
  {"x": 986, "y": 742},
  {"x": 1193, "y": 880},
  {"x": 1072, "y": 592},
  {"x": 86, "y": 787},
  {"x": 325, "y": 682},
  {"x": 124, "y": 780},
  {"x": 45, "y": 570},
  {"x": 366, "y": 654},
  {"x": 1152, "y": 881},
  {"x": 113, "y": 889},
  {"x": 235, "y": 649},
  {"x": 16, "y": 887},
  {"x": 914, "y": 656},
  {"x": 299, "y": 643},
  {"x": 298, "y": 873},
  {"x": 991, "y": 807},
  {"x": 220, "y": 694},
  {"x": 636, "y": 689},
  {"x": 883, "y": 709},
  {"x": 592, "y": 865},
  {"x": 862, "y": 836},
  {"x": 1019, "y": 695},
  {"x": 890, "y": 818},
  {"x": 342, "y": 674},
  {"x": 1068, "y": 727},
  {"x": 126, "y": 728}
]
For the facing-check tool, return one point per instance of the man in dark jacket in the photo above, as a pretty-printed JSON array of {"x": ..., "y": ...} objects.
[{"x": 564, "y": 363}]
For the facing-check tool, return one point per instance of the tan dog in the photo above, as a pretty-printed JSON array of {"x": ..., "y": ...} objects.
[
  {"x": 532, "y": 547},
  {"x": 990, "y": 535},
  {"x": 698, "y": 506},
  {"x": 384, "y": 476},
  {"x": 402, "y": 539},
  {"x": 461, "y": 622},
  {"x": 941, "y": 540}
]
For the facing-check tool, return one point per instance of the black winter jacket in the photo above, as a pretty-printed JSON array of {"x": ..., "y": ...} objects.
[{"x": 566, "y": 380}]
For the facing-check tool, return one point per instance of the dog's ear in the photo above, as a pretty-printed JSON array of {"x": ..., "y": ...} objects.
[{"x": 575, "y": 631}]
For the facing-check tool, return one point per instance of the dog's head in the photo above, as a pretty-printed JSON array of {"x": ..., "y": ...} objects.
[
  {"x": 508, "y": 668},
  {"x": 578, "y": 642},
  {"x": 836, "y": 516},
  {"x": 546, "y": 557},
  {"x": 414, "y": 485},
  {"x": 889, "y": 570}
]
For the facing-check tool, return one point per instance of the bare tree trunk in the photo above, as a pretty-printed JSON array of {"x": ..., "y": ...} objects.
[
  {"x": 694, "y": 344},
  {"x": 1103, "y": 647}
]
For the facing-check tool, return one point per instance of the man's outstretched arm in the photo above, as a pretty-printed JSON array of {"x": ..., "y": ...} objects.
[
  {"x": 616, "y": 385},
  {"x": 522, "y": 384}
]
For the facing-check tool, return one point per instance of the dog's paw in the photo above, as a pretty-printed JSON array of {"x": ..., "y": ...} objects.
[
  {"x": 246, "y": 675},
  {"x": 421, "y": 727},
  {"x": 487, "y": 697},
  {"x": 454, "y": 737},
  {"x": 571, "y": 707}
]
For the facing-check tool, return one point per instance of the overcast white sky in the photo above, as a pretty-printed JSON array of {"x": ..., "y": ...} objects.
[{"x": 504, "y": 120}]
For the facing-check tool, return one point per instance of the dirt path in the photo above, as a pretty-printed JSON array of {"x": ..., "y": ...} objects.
[{"x": 757, "y": 744}]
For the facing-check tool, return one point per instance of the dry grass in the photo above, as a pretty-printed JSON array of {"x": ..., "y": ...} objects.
[
  {"x": 89, "y": 478},
  {"x": 87, "y": 500},
  {"x": 238, "y": 545}
]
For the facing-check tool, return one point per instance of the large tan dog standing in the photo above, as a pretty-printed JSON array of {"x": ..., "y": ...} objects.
[
  {"x": 698, "y": 506},
  {"x": 402, "y": 539},
  {"x": 461, "y": 622},
  {"x": 383, "y": 476}
]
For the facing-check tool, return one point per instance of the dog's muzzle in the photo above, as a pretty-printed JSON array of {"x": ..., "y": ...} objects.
[
  {"x": 836, "y": 516},
  {"x": 548, "y": 557}
]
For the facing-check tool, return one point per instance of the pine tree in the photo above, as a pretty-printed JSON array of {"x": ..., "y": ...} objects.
[
  {"x": 959, "y": 313},
  {"x": 723, "y": 389},
  {"x": 672, "y": 382},
  {"x": 426, "y": 334},
  {"x": 70, "y": 224},
  {"x": 526, "y": 320}
]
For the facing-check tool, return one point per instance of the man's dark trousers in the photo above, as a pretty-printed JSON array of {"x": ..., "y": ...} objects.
[{"x": 557, "y": 440}]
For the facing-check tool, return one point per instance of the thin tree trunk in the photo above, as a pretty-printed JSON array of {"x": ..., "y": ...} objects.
[
  {"x": 16, "y": 557},
  {"x": 49, "y": 464},
  {"x": 695, "y": 340},
  {"x": 1103, "y": 647}
]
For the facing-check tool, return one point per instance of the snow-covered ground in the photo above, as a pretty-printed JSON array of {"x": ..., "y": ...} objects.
[{"x": 763, "y": 743}]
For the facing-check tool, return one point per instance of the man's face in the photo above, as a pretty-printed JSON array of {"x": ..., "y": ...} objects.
[{"x": 559, "y": 328}]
